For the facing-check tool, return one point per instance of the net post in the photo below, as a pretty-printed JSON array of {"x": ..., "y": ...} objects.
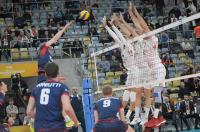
[{"x": 88, "y": 101}]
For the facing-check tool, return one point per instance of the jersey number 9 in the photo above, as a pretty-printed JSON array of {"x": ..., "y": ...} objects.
[
  {"x": 106, "y": 103},
  {"x": 44, "y": 96}
]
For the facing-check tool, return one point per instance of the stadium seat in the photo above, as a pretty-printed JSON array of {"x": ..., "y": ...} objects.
[
  {"x": 15, "y": 53},
  {"x": 116, "y": 81},
  {"x": 176, "y": 83},
  {"x": 118, "y": 73},
  {"x": 107, "y": 82},
  {"x": 110, "y": 74},
  {"x": 24, "y": 53},
  {"x": 101, "y": 75},
  {"x": 180, "y": 55}
]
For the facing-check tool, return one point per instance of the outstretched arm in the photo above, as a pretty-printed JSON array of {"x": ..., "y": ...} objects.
[
  {"x": 140, "y": 19},
  {"x": 135, "y": 20},
  {"x": 58, "y": 34},
  {"x": 111, "y": 33},
  {"x": 131, "y": 29}
]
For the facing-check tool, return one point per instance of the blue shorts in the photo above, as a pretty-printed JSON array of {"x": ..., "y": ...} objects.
[{"x": 111, "y": 126}]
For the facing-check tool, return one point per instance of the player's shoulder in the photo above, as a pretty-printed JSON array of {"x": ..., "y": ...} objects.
[{"x": 108, "y": 98}]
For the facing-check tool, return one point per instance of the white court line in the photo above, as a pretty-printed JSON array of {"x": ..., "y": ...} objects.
[
  {"x": 156, "y": 31},
  {"x": 146, "y": 84}
]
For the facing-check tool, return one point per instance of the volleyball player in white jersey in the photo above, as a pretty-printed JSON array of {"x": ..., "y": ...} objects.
[
  {"x": 127, "y": 53},
  {"x": 151, "y": 56}
]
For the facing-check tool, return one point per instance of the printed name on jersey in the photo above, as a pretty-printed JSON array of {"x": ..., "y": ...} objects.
[{"x": 44, "y": 84}]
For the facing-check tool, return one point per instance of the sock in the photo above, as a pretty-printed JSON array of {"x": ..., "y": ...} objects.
[
  {"x": 156, "y": 112},
  {"x": 146, "y": 109},
  {"x": 137, "y": 112},
  {"x": 128, "y": 114}
]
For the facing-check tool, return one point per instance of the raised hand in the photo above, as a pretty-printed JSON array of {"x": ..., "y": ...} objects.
[
  {"x": 121, "y": 17},
  {"x": 104, "y": 21},
  {"x": 114, "y": 17},
  {"x": 130, "y": 7}
]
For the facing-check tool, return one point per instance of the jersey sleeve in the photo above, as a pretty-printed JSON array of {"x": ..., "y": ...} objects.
[
  {"x": 43, "y": 50},
  {"x": 65, "y": 90},
  {"x": 112, "y": 34},
  {"x": 33, "y": 95},
  {"x": 119, "y": 34},
  {"x": 2, "y": 99}
]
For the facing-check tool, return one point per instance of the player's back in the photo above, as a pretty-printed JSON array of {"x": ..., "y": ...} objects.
[
  {"x": 48, "y": 105},
  {"x": 108, "y": 108},
  {"x": 44, "y": 56}
]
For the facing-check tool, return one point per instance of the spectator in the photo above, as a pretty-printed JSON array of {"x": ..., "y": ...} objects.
[
  {"x": 160, "y": 4},
  {"x": 172, "y": 18},
  {"x": 187, "y": 111},
  {"x": 92, "y": 30},
  {"x": 76, "y": 102},
  {"x": 191, "y": 9},
  {"x": 104, "y": 37},
  {"x": 176, "y": 11},
  {"x": 5, "y": 44},
  {"x": 160, "y": 23},
  {"x": 28, "y": 16},
  {"x": 183, "y": 90},
  {"x": 77, "y": 47},
  {"x": 19, "y": 21},
  {"x": 68, "y": 15},
  {"x": 197, "y": 32},
  {"x": 177, "y": 108},
  {"x": 114, "y": 65},
  {"x": 168, "y": 112},
  {"x": 34, "y": 36},
  {"x": 187, "y": 47},
  {"x": 11, "y": 108},
  {"x": 51, "y": 20},
  {"x": 58, "y": 15},
  {"x": 22, "y": 41},
  {"x": 104, "y": 65}
]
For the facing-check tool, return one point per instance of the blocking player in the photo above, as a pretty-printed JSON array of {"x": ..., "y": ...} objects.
[
  {"x": 151, "y": 56},
  {"x": 105, "y": 114},
  {"x": 44, "y": 55},
  {"x": 127, "y": 53},
  {"x": 49, "y": 99}
]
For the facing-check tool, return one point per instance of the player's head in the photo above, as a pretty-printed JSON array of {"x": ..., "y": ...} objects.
[
  {"x": 107, "y": 91},
  {"x": 51, "y": 69},
  {"x": 74, "y": 90}
]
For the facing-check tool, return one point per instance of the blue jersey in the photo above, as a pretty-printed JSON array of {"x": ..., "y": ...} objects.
[
  {"x": 44, "y": 57},
  {"x": 48, "y": 105},
  {"x": 108, "y": 107}
]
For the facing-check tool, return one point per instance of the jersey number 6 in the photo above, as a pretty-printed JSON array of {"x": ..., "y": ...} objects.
[{"x": 44, "y": 96}]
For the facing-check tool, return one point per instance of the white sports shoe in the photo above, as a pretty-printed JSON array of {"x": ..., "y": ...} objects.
[{"x": 135, "y": 121}]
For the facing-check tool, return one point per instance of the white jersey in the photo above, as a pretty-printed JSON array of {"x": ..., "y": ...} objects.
[{"x": 151, "y": 56}]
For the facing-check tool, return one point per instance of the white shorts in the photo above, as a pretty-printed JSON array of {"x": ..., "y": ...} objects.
[
  {"x": 129, "y": 95},
  {"x": 132, "y": 77},
  {"x": 158, "y": 73}
]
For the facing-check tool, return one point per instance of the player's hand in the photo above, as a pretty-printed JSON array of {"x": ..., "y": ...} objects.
[
  {"x": 69, "y": 24},
  {"x": 121, "y": 16},
  {"x": 130, "y": 6},
  {"x": 104, "y": 21},
  {"x": 114, "y": 17}
]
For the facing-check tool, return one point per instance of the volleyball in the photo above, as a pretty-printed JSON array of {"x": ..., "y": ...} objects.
[{"x": 84, "y": 15}]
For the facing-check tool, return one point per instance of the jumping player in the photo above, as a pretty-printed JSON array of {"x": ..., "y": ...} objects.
[
  {"x": 44, "y": 55},
  {"x": 127, "y": 53},
  {"x": 105, "y": 114},
  {"x": 151, "y": 56},
  {"x": 49, "y": 99}
]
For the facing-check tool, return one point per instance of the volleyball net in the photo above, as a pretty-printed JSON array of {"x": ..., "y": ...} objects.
[{"x": 178, "y": 50}]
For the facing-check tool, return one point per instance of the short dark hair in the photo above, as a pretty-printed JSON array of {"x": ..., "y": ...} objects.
[
  {"x": 107, "y": 90},
  {"x": 51, "y": 69}
]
